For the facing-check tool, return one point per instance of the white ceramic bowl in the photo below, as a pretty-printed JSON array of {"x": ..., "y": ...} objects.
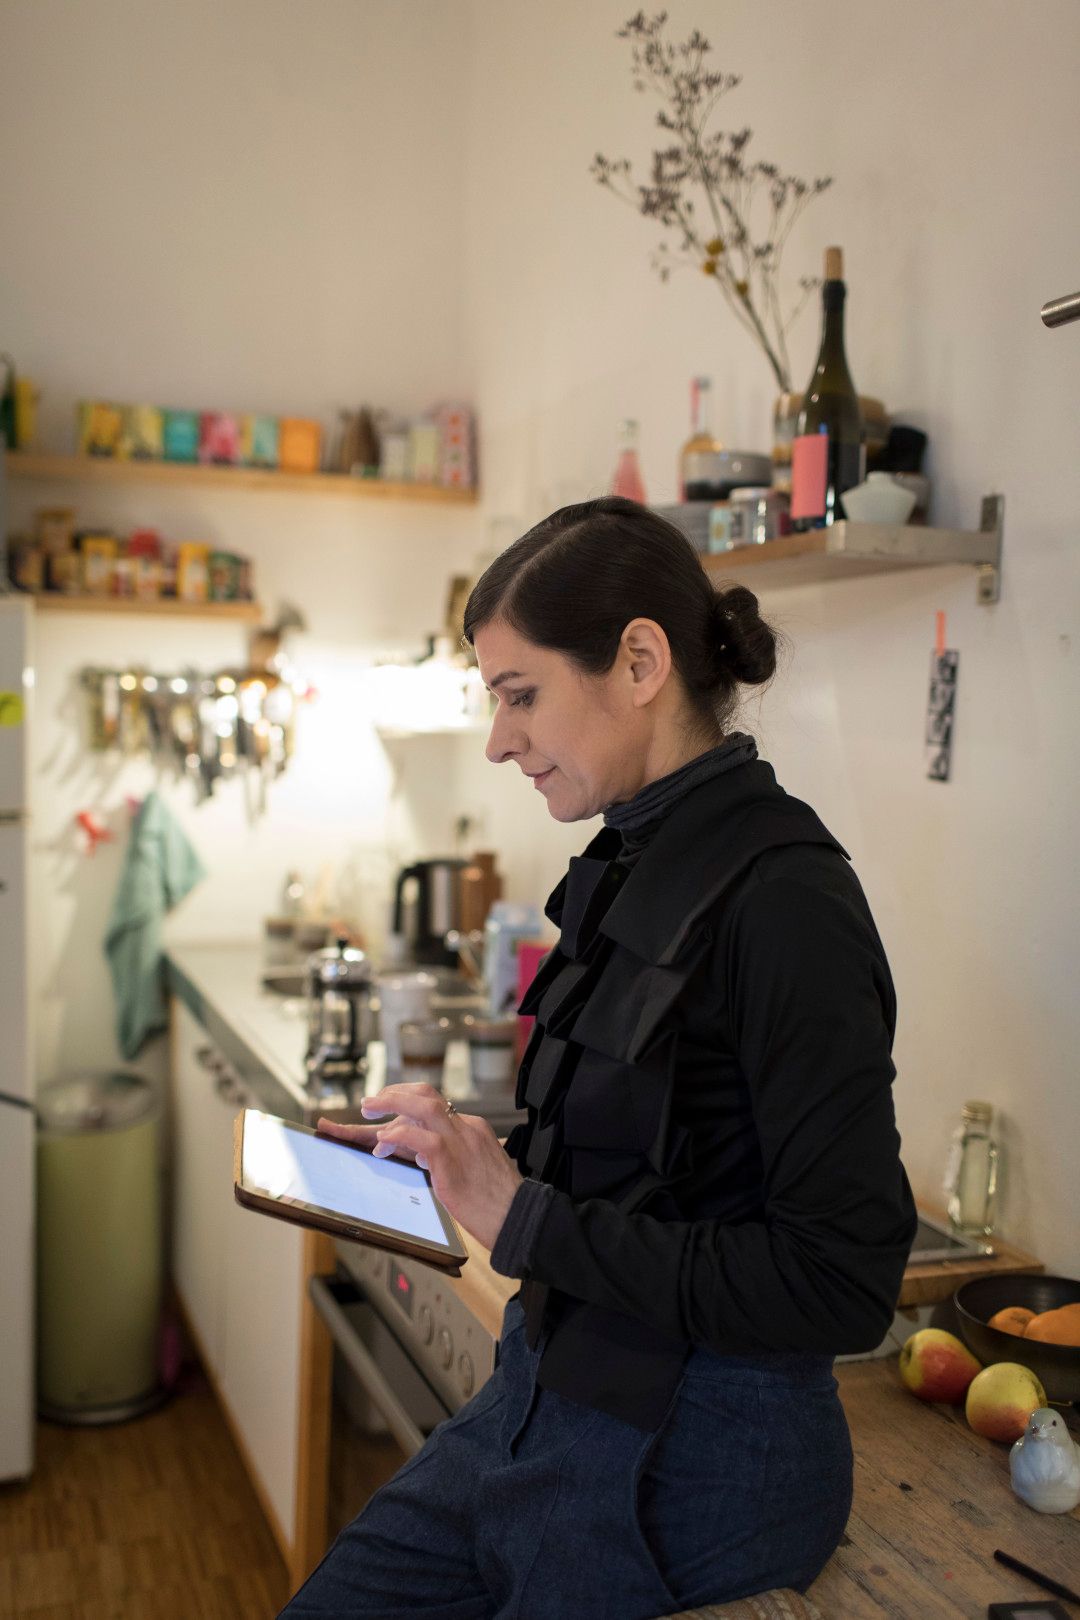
[{"x": 879, "y": 500}]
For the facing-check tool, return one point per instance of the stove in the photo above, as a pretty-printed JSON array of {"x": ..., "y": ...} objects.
[{"x": 446, "y": 1343}]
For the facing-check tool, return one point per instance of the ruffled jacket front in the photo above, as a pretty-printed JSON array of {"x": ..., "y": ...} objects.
[{"x": 708, "y": 1088}]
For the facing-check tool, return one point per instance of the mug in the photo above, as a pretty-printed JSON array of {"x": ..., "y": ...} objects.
[{"x": 402, "y": 996}]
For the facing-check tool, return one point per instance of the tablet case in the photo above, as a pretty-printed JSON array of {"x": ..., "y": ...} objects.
[{"x": 334, "y": 1226}]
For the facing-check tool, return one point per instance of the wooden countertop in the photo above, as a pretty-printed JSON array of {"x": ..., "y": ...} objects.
[{"x": 932, "y": 1501}]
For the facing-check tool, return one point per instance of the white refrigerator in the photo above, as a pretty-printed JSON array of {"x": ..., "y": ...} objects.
[{"x": 16, "y": 1085}]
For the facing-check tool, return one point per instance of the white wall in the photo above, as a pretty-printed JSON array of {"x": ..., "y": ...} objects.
[
  {"x": 952, "y": 132},
  {"x": 293, "y": 208},
  {"x": 255, "y": 206}
]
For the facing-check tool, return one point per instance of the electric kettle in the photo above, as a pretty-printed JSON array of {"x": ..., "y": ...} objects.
[{"x": 432, "y": 908}]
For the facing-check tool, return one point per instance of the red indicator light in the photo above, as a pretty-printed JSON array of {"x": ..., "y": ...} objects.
[{"x": 402, "y": 1289}]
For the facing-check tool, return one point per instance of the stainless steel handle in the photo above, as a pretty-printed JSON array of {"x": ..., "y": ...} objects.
[
  {"x": 400, "y": 1424},
  {"x": 1061, "y": 310}
]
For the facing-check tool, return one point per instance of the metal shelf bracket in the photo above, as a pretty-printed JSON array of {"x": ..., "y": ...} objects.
[{"x": 992, "y": 522}]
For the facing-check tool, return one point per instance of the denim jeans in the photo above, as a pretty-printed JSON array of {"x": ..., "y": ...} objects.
[{"x": 531, "y": 1506}]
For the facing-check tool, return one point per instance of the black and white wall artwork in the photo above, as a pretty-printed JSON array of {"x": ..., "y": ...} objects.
[{"x": 940, "y": 714}]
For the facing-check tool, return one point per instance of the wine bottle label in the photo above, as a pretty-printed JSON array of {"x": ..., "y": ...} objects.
[{"x": 809, "y": 474}]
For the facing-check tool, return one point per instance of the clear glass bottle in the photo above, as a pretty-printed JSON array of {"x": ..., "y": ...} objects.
[
  {"x": 628, "y": 480},
  {"x": 701, "y": 472},
  {"x": 970, "y": 1183}
]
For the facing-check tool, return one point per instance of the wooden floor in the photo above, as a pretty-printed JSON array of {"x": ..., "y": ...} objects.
[{"x": 148, "y": 1520}]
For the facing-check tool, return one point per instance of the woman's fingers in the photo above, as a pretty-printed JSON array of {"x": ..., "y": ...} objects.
[
  {"x": 403, "y": 1134},
  {"x": 413, "y": 1099},
  {"x": 360, "y": 1135}
]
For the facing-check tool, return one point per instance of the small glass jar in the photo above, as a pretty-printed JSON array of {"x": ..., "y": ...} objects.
[
  {"x": 757, "y": 515},
  {"x": 492, "y": 1051},
  {"x": 423, "y": 1044},
  {"x": 970, "y": 1183}
]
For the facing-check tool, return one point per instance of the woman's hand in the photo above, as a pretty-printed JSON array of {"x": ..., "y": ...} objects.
[{"x": 470, "y": 1171}]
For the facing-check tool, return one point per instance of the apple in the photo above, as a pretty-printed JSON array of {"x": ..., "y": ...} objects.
[
  {"x": 1001, "y": 1399},
  {"x": 935, "y": 1366}
]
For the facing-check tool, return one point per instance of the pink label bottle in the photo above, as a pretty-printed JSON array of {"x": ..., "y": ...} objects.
[{"x": 628, "y": 481}]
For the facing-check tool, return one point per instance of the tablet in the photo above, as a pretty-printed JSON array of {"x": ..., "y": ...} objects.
[{"x": 294, "y": 1173}]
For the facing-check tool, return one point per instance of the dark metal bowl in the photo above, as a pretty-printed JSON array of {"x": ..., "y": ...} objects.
[{"x": 1056, "y": 1366}]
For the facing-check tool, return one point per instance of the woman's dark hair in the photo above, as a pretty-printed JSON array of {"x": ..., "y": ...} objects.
[{"x": 574, "y": 582}]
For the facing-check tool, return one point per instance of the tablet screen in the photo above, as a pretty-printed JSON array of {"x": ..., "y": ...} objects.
[{"x": 297, "y": 1166}]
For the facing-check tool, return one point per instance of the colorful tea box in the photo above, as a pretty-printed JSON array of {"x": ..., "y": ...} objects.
[
  {"x": 193, "y": 571},
  {"x": 299, "y": 444},
  {"x": 225, "y": 576},
  {"x": 140, "y": 434},
  {"x": 423, "y": 456},
  {"x": 180, "y": 435},
  {"x": 99, "y": 427},
  {"x": 219, "y": 438},
  {"x": 99, "y": 553},
  {"x": 259, "y": 441},
  {"x": 457, "y": 466},
  {"x": 394, "y": 456}
]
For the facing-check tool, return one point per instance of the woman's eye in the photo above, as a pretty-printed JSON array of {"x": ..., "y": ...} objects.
[{"x": 524, "y": 700}]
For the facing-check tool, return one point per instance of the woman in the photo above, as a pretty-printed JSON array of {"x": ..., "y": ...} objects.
[{"x": 706, "y": 1203}]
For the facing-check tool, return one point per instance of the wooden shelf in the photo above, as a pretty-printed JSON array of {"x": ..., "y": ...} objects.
[
  {"x": 56, "y": 602},
  {"x": 105, "y": 470},
  {"x": 848, "y": 550}
]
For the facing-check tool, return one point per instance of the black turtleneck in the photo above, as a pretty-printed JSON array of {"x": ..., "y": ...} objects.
[{"x": 638, "y": 818}]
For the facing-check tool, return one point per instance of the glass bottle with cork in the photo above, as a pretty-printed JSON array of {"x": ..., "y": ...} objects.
[
  {"x": 970, "y": 1183},
  {"x": 827, "y": 454}
]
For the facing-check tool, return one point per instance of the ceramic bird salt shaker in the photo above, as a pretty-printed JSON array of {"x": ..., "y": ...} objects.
[{"x": 1045, "y": 1464}]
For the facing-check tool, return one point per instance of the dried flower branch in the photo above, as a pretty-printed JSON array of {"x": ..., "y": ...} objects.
[{"x": 741, "y": 257}]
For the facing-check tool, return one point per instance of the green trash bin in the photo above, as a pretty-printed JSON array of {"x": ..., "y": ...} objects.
[{"x": 99, "y": 1248}]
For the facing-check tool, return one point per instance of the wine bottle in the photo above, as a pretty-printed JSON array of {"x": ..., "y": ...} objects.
[
  {"x": 701, "y": 476},
  {"x": 628, "y": 480},
  {"x": 827, "y": 452}
]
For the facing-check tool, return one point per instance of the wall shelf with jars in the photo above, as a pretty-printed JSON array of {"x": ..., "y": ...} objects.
[
  {"x": 846, "y": 550},
  {"x": 26, "y": 464}
]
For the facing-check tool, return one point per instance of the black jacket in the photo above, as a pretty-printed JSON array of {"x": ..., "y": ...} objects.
[{"x": 708, "y": 1088}]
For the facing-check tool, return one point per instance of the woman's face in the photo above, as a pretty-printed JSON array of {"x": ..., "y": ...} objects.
[{"x": 588, "y": 741}]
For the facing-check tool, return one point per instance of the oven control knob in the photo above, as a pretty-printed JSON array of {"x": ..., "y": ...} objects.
[
  {"x": 465, "y": 1368},
  {"x": 446, "y": 1348},
  {"x": 427, "y": 1324}
]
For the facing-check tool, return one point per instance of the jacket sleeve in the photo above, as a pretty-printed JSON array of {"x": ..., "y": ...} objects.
[{"x": 811, "y": 1014}]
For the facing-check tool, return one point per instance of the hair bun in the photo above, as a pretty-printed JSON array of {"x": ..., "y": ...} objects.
[{"x": 746, "y": 646}]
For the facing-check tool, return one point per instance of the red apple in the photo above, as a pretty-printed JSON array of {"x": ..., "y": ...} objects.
[
  {"x": 935, "y": 1366},
  {"x": 1001, "y": 1399}
]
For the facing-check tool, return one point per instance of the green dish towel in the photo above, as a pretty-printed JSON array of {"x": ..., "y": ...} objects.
[{"x": 160, "y": 868}]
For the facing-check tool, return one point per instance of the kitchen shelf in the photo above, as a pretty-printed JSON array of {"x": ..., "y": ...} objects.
[
  {"x": 847, "y": 550},
  {"x": 107, "y": 470},
  {"x": 56, "y": 602}
]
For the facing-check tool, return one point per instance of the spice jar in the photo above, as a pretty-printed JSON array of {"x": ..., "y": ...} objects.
[
  {"x": 970, "y": 1183},
  {"x": 492, "y": 1051}
]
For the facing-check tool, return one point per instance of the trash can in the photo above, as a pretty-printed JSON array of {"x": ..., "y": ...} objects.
[{"x": 99, "y": 1248}]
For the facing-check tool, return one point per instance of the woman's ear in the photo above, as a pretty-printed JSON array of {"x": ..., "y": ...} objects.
[{"x": 649, "y": 658}]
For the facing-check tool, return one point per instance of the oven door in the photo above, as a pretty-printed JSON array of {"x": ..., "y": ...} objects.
[{"x": 373, "y": 1372}]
